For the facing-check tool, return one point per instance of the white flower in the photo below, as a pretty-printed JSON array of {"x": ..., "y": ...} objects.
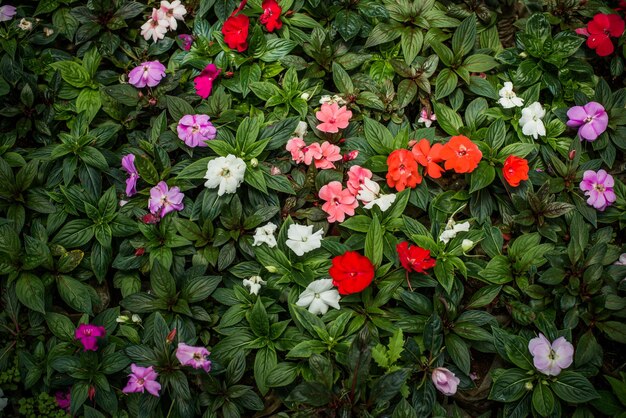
[
  {"x": 123, "y": 203},
  {"x": 531, "y": 122},
  {"x": 301, "y": 129},
  {"x": 305, "y": 96},
  {"x": 452, "y": 228},
  {"x": 225, "y": 172},
  {"x": 370, "y": 195},
  {"x": 508, "y": 98},
  {"x": 339, "y": 100},
  {"x": 136, "y": 319},
  {"x": 254, "y": 283},
  {"x": 48, "y": 31},
  {"x": 265, "y": 234},
  {"x": 318, "y": 296},
  {"x": 155, "y": 27},
  {"x": 325, "y": 99},
  {"x": 301, "y": 239},
  {"x": 25, "y": 24},
  {"x": 173, "y": 11},
  {"x": 621, "y": 261}
]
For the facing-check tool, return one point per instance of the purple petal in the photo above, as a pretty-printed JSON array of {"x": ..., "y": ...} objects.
[
  {"x": 587, "y": 131},
  {"x": 577, "y": 114},
  {"x": 601, "y": 176},
  {"x": 593, "y": 108},
  {"x": 590, "y": 176}
]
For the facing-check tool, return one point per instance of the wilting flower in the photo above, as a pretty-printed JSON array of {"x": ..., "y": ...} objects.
[
  {"x": 598, "y": 186},
  {"x": 196, "y": 357},
  {"x": 318, "y": 296},
  {"x": 428, "y": 157},
  {"x": 204, "y": 81},
  {"x": 227, "y": 173},
  {"x": 531, "y": 121},
  {"x": 351, "y": 272},
  {"x": 515, "y": 170},
  {"x": 186, "y": 41},
  {"x": 156, "y": 26},
  {"x": 88, "y": 335},
  {"x": 7, "y": 12},
  {"x": 148, "y": 73},
  {"x": 142, "y": 378},
  {"x": 164, "y": 200},
  {"x": 590, "y": 119},
  {"x": 25, "y": 24},
  {"x": 301, "y": 129},
  {"x": 414, "y": 258},
  {"x": 460, "y": 154},
  {"x": 265, "y": 235},
  {"x": 356, "y": 177},
  {"x": 551, "y": 358},
  {"x": 172, "y": 12},
  {"x": 128, "y": 165},
  {"x": 402, "y": 170},
  {"x": 271, "y": 15},
  {"x": 508, "y": 98},
  {"x": 195, "y": 129},
  {"x": 452, "y": 229},
  {"x": 301, "y": 239},
  {"x": 63, "y": 400},
  {"x": 370, "y": 195},
  {"x": 333, "y": 118},
  {"x": 600, "y": 30},
  {"x": 426, "y": 117},
  {"x": 339, "y": 202},
  {"x": 235, "y": 31},
  {"x": 445, "y": 381},
  {"x": 254, "y": 283},
  {"x": 48, "y": 32}
]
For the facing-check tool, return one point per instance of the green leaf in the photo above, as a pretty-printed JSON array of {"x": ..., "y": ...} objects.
[
  {"x": 162, "y": 282},
  {"x": 411, "y": 42},
  {"x": 378, "y": 137},
  {"x": 478, "y": 63},
  {"x": 446, "y": 83},
  {"x": 258, "y": 319},
  {"x": 178, "y": 107},
  {"x": 381, "y": 34},
  {"x": 75, "y": 233},
  {"x": 573, "y": 387},
  {"x": 482, "y": 177},
  {"x": 73, "y": 73},
  {"x": 147, "y": 171},
  {"x": 448, "y": 119},
  {"x": 374, "y": 242},
  {"x": 464, "y": 37},
  {"x": 342, "y": 79},
  {"x": 543, "y": 400},
  {"x": 61, "y": 326},
  {"x": 74, "y": 293},
  {"x": 264, "y": 362},
  {"x": 30, "y": 292},
  {"x": 125, "y": 94},
  {"x": 509, "y": 386},
  {"x": 88, "y": 101},
  {"x": 498, "y": 270}
]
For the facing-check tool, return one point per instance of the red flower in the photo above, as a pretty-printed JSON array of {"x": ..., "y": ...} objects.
[
  {"x": 428, "y": 157},
  {"x": 271, "y": 15},
  {"x": 600, "y": 30},
  {"x": 515, "y": 170},
  {"x": 402, "y": 172},
  {"x": 235, "y": 31},
  {"x": 351, "y": 272},
  {"x": 460, "y": 154},
  {"x": 414, "y": 258}
]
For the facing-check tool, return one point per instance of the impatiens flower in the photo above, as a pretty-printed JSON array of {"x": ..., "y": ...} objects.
[
  {"x": 601, "y": 29},
  {"x": 301, "y": 129},
  {"x": 460, "y": 154},
  {"x": 271, "y": 15},
  {"x": 311, "y": 153},
  {"x": 402, "y": 172},
  {"x": 196, "y": 357},
  {"x": 318, "y": 296},
  {"x": 227, "y": 173},
  {"x": 296, "y": 147},
  {"x": 128, "y": 165},
  {"x": 508, "y": 98},
  {"x": 301, "y": 239},
  {"x": 426, "y": 117},
  {"x": 156, "y": 26},
  {"x": 7, "y": 12},
  {"x": 148, "y": 73},
  {"x": 186, "y": 40},
  {"x": 599, "y": 187},
  {"x": 330, "y": 153},
  {"x": 333, "y": 118},
  {"x": 63, "y": 400},
  {"x": 428, "y": 157},
  {"x": 204, "y": 81},
  {"x": 235, "y": 31},
  {"x": 370, "y": 195},
  {"x": 515, "y": 170},
  {"x": 265, "y": 235},
  {"x": 254, "y": 283},
  {"x": 531, "y": 121},
  {"x": 339, "y": 202},
  {"x": 141, "y": 379},
  {"x": 351, "y": 155},
  {"x": 445, "y": 381},
  {"x": 414, "y": 258},
  {"x": 452, "y": 229},
  {"x": 172, "y": 12},
  {"x": 590, "y": 119},
  {"x": 25, "y": 24},
  {"x": 88, "y": 336},
  {"x": 551, "y": 358},
  {"x": 351, "y": 272},
  {"x": 164, "y": 200},
  {"x": 621, "y": 261},
  {"x": 195, "y": 129},
  {"x": 356, "y": 177}
]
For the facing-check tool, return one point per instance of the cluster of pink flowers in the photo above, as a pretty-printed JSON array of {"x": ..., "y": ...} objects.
[
  {"x": 163, "y": 19},
  {"x": 322, "y": 155}
]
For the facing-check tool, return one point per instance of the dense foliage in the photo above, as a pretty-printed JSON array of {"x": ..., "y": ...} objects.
[{"x": 312, "y": 208}]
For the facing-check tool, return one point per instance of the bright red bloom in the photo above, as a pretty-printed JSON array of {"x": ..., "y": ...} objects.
[
  {"x": 461, "y": 154},
  {"x": 428, "y": 157},
  {"x": 515, "y": 170},
  {"x": 601, "y": 29},
  {"x": 351, "y": 272},
  {"x": 402, "y": 172},
  {"x": 271, "y": 15},
  {"x": 414, "y": 258},
  {"x": 235, "y": 31}
]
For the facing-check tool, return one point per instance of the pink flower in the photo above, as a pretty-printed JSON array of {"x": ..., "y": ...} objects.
[
  {"x": 204, "y": 82},
  {"x": 426, "y": 117},
  {"x": 164, "y": 200},
  {"x": 128, "y": 165},
  {"x": 7, "y": 12},
  {"x": 548, "y": 358},
  {"x": 63, "y": 400},
  {"x": 333, "y": 118},
  {"x": 349, "y": 156},
  {"x": 296, "y": 146},
  {"x": 156, "y": 26},
  {"x": 339, "y": 202},
  {"x": 330, "y": 153},
  {"x": 445, "y": 381},
  {"x": 148, "y": 73},
  {"x": 195, "y": 357},
  {"x": 88, "y": 335},
  {"x": 195, "y": 129},
  {"x": 590, "y": 119},
  {"x": 142, "y": 378},
  {"x": 173, "y": 11},
  {"x": 356, "y": 177},
  {"x": 599, "y": 187},
  {"x": 311, "y": 153}
]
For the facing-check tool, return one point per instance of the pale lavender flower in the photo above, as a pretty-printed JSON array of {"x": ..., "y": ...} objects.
[
  {"x": 551, "y": 358},
  {"x": 142, "y": 378},
  {"x": 445, "y": 381},
  {"x": 196, "y": 357},
  {"x": 195, "y": 129},
  {"x": 590, "y": 119},
  {"x": 598, "y": 186},
  {"x": 7, "y": 12},
  {"x": 164, "y": 200},
  {"x": 148, "y": 73},
  {"x": 128, "y": 165},
  {"x": 621, "y": 261}
]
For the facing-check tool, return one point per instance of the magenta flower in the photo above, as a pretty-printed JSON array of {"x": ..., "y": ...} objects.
[
  {"x": 196, "y": 357},
  {"x": 63, "y": 400},
  {"x": 548, "y": 358},
  {"x": 204, "y": 82},
  {"x": 142, "y": 378},
  {"x": 164, "y": 200},
  {"x": 195, "y": 129},
  {"x": 148, "y": 73},
  {"x": 7, "y": 12},
  {"x": 599, "y": 187},
  {"x": 128, "y": 165},
  {"x": 186, "y": 41},
  {"x": 445, "y": 381},
  {"x": 88, "y": 335},
  {"x": 590, "y": 119}
]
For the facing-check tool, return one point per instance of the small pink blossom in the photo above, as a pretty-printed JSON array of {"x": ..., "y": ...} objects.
[
  {"x": 194, "y": 130},
  {"x": 333, "y": 118},
  {"x": 148, "y": 73},
  {"x": 548, "y": 358},
  {"x": 196, "y": 357},
  {"x": 356, "y": 177},
  {"x": 296, "y": 146},
  {"x": 204, "y": 81},
  {"x": 141, "y": 379},
  {"x": 128, "y": 165},
  {"x": 330, "y": 153},
  {"x": 339, "y": 202},
  {"x": 88, "y": 335},
  {"x": 598, "y": 186},
  {"x": 445, "y": 381},
  {"x": 349, "y": 156},
  {"x": 63, "y": 400},
  {"x": 164, "y": 200},
  {"x": 426, "y": 117}
]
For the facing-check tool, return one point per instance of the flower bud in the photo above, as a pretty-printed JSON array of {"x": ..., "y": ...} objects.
[
  {"x": 271, "y": 269},
  {"x": 254, "y": 163},
  {"x": 274, "y": 171},
  {"x": 136, "y": 319},
  {"x": 139, "y": 252},
  {"x": 150, "y": 219},
  {"x": 528, "y": 385},
  {"x": 572, "y": 154},
  {"x": 412, "y": 143},
  {"x": 523, "y": 54},
  {"x": 152, "y": 101},
  {"x": 305, "y": 96},
  {"x": 467, "y": 245},
  {"x": 91, "y": 392},
  {"x": 122, "y": 319},
  {"x": 170, "y": 337},
  {"x": 351, "y": 155}
]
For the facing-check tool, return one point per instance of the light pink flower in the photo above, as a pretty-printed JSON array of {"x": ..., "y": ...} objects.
[
  {"x": 196, "y": 357},
  {"x": 172, "y": 12},
  {"x": 548, "y": 358},
  {"x": 295, "y": 146},
  {"x": 356, "y": 177},
  {"x": 330, "y": 153},
  {"x": 156, "y": 26},
  {"x": 599, "y": 188},
  {"x": 333, "y": 118},
  {"x": 426, "y": 117},
  {"x": 204, "y": 81},
  {"x": 445, "y": 381},
  {"x": 142, "y": 378},
  {"x": 88, "y": 336},
  {"x": 349, "y": 156},
  {"x": 195, "y": 129},
  {"x": 339, "y": 202},
  {"x": 164, "y": 200},
  {"x": 148, "y": 73}
]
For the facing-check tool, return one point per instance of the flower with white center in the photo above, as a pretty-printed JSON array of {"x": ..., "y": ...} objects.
[
  {"x": 254, "y": 283},
  {"x": 452, "y": 228},
  {"x": 318, "y": 296},
  {"x": 301, "y": 129},
  {"x": 156, "y": 26},
  {"x": 370, "y": 195},
  {"x": 265, "y": 235},
  {"x": 508, "y": 98},
  {"x": 531, "y": 121},
  {"x": 226, "y": 173},
  {"x": 302, "y": 239},
  {"x": 173, "y": 11},
  {"x": 25, "y": 24}
]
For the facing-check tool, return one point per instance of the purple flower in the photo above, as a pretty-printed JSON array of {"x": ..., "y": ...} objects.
[
  {"x": 195, "y": 129},
  {"x": 445, "y": 381},
  {"x": 548, "y": 358},
  {"x": 186, "y": 40},
  {"x": 148, "y": 73},
  {"x": 88, "y": 335},
  {"x": 63, "y": 400},
  {"x": 599, "y": 187},
  {"x": 128, "y": 165},
  {"x": 7, "y": 12},
  {"x": 164, "y": 200},
  {"x": 196, "y": 357},
  {"x": 142, "y": 378},
  {"x": 590, "y": 119}
]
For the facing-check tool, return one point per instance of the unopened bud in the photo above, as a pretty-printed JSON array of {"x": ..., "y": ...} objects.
[
  {"x": 528, "y": 385},
  {"x": 467, "y": 245},
  {"x": 136, "y": 319},
  {"x": 254, "y": 163},
  {"x": 122, "y": 319},
  {"x": 139, "y": 252},
  {"x": 152, "y": 101},
  {"x": 271, "y": 269},
  {"x": 170, "y": 337},
  {"x": 412, "y": 143},
  {"x": 229, "y": 74},
  {"x": 305, "y": 96},
  {"x": 91, "y": 392},
  {"x": 150, "y": 219},
  {"x": 572, "y": 154},
  {"x": 351, "y": 155},
  {"x": 523, "y": 55}
]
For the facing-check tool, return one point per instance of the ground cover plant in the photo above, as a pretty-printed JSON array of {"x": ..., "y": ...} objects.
[{"x": 312, "y": 208}]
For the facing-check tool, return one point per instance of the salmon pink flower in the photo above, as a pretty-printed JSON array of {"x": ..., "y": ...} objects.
[
  {"x": 515, "y": 170},
  {"x": 351, "y": 272},
  {"x": 196, "y": 357},
  {"x": 333, "y": 118},
  {"x": 330, "y": 153},
  {"x": 599, "y": 187},
  {"x": 428, "y": 157},
  {"x": 590, "y": 119},
  {"x": 460, "y": 154},
  {"x": 235, "y": 31},
  {"x": 402, "y": 170},
  {"x": 271, "y": 15},
  {"x": 88, "y": 335},
  {"x": 445, "y": 381},
  {"x": 204, "y": 81},
  {"x": 295, "y": 146},
  {"x": 551, "y": 358},
  {"x": 164, "y": 200},
  {"x": 339, "y": 202},
  {"x": 356, "y": 177},
  {"x": 414, "y": 258},
  {"x": 142, "y": 379},
  {"x": 128, "y": 165},
  {"x": 148, "y": 73}
]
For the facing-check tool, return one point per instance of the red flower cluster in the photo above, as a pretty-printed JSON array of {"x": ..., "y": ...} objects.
[
  {"x": 599, "y": 32},
  {"x": 351, "y": 272},
  {"x": 236, "y": 27},
  {"x": 414, "y": 258},
  {"x": 515, "y": 170}
]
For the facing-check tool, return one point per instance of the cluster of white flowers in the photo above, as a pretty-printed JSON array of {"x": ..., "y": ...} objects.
[
  {"x": 370, "y": 195},
  {"x": 225, "y": 173},
  {"x": 326, "y": 99},
  {"x": 163, "y": 19},
  {"x": 531, "y": 121}
]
